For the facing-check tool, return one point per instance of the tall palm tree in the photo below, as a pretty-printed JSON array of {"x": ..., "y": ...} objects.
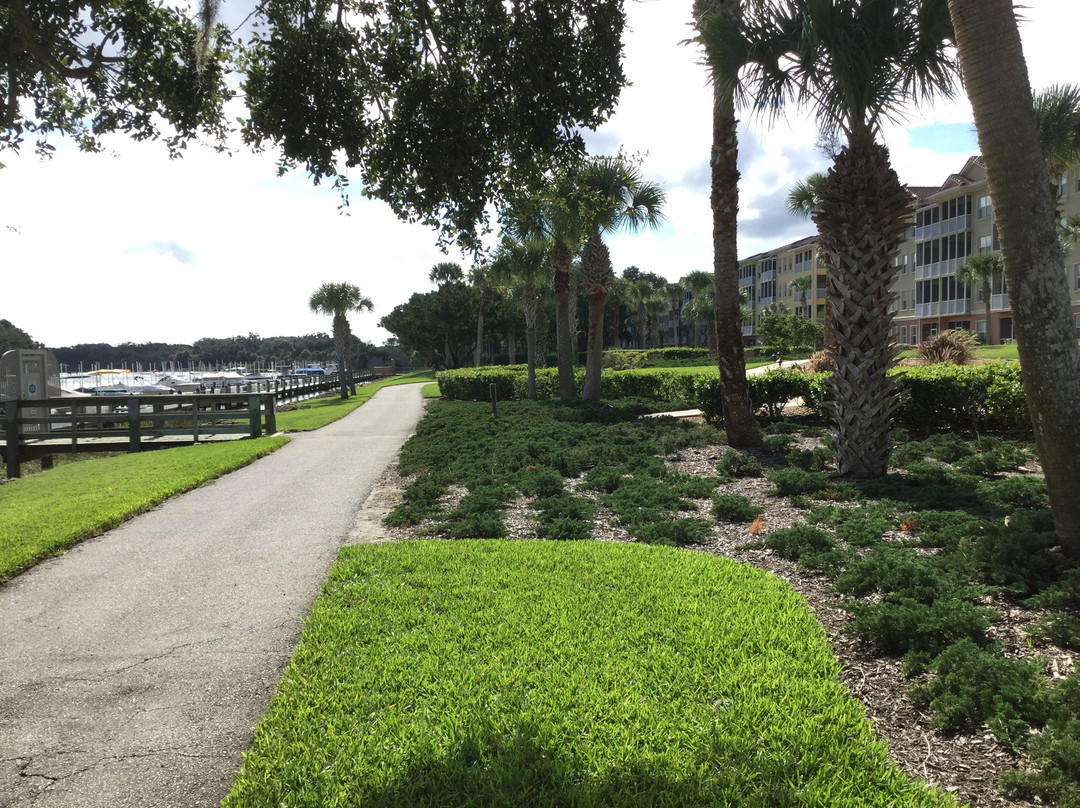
[
  {"x": 981, "y": 269},
  {"x": 337, "y": 300},
  {"x": 481, "y": 280},
  {"x": 857, "y": 62},
  {"x": 640, "y": 292},
  {"x": 702, "y": 312},
  {"x": 655, "y": 305},
  {"x": 619, "y": 295},
  {"x": 739, "y": 424},
  {"x": 997, "y": 83},
  {"x": 1057, "y": 109},
  {"x": 695, "y": 282},
  {"x": 524, "y": 263},
  {"x": 614, "y": 196}
]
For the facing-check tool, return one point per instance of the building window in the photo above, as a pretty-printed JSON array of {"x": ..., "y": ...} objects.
[
  {"x": 1063, "y": 184},
  {"x": 980, "y": 329},
  {"x": 903, "y": 302},
  {"x": 986, "y": 243},
  {"x": 1078, "y": 326},
  {"x": 1077, "y": 284},
  {"x": 986, "y": 207}
]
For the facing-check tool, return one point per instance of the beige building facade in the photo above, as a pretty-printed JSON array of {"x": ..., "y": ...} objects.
[{"x": 951, "y": 222}]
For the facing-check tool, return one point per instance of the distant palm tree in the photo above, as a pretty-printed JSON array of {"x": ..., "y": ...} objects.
[
  {"x": 982, "y": 268},
  {"x": 802, "y": 285},
  {"x": 675, "y": 294},
  {"x": 1057, "y": 109},
  {"x": 804, "y": 201},
  {"x": 524, "y": 263},
  {"x": 337, "y": 300},
  {"x": 618, "y": 295},
  {"x": 857, "y": 63},
  {"x": 696, "y": 282},
  {"x": 481, "y": 279}
]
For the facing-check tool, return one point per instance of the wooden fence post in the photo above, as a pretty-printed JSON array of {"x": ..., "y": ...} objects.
[
  {"x": 254, "y": 415},
  {"x": 134, "y": 416}
]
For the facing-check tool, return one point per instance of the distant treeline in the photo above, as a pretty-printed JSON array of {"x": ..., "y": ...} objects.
[{"x": 251, "y": 350}]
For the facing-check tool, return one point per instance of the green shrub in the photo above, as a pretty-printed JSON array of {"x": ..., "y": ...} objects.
[
  {"x": 817, "y": 459},
  {"x": 799, "y": 540},
  {"x": 565, "y": 530},
  {"x": 971, "y": 399},
  {"x": 1012, "y": 493},
  {"x": 678, "y": 532},
  {"x": 474, "y": 384},
  {"x": 901, "y": 572},
  {"x": 778, "y": 444},
  {"x": 603, "y": 478},
  {"x": 540, "y": 482},
  {"x": 734, "y": 508},
  {"x": 1063, "y": 630},
  {"x": 769, "y": 392},
  {"x": 1064, "y": 593},
  {"x": 791, "y": 481},
  {"x": 899, "y": 626},
  {"x": 734, "y": 463},
  {"x": 974, "y": 685},
  {"x": 1016, "y": 556}
]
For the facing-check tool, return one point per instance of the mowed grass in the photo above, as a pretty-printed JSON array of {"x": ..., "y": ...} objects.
[
  {"x": 494, "y": 673},
  {"x": 43, "y": 514},
  {"x": 317, "y": 412}
]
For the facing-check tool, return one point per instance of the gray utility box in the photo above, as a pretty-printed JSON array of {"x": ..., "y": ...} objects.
[{"x": 29, "y": 375}]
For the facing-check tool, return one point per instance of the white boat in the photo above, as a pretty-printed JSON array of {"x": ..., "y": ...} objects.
[{"x": 180, "y": 385}]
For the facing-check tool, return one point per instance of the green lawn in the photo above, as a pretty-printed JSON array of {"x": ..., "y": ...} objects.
[
  {"x": 521, "y": 674},
  {"x": 41, "y": 515}
]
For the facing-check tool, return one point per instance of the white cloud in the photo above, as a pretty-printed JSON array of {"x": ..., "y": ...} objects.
[{"x": 133, "y": 247}]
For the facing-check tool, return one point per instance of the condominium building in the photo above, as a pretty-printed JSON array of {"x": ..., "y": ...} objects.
[{"x": 950, "y": 222}]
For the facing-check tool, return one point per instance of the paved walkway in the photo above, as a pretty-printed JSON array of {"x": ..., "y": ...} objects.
[{"x": 134, "y": 669}]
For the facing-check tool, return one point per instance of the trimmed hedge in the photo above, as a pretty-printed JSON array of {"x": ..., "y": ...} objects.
[
  {"x": 473, "y": 384},
  {"x": 769, "y": 392}
]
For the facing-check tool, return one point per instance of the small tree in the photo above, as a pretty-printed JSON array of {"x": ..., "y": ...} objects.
[
  {"x": 981, "y": 268},
  {"x": 785, "y": 334},
  {"x": 337, "y": 300}
]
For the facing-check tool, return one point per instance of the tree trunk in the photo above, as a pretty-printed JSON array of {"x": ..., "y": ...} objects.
[
  {"x": 478, "y": 352},
  {"x": 986, "y": 300},
  {"x": 597, "y": 277},
  {"x": 341, "y": 326},
  {"x": 998, "y": 86},
  {"x": 561, "y": 256},
  {"x": 529, "y": 303},
  {"x": 594, "y": 357},
  {"x": 739, "y": 424},
  {"x": 511, "y": 346},
  {"x": 862, "y": 218},
  {"x": 643, "y": 324}
]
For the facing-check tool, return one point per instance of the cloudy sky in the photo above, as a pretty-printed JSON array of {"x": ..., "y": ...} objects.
[{"x": 128, "y": 246}]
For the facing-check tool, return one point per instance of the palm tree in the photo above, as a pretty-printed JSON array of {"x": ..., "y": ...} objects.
[
  {"x": 739, "y": 424},
  {"x": 655, "y": 305},
  {"x": 981, "y": 269},
  {"x": 481, "y": 280},
  {"x": 640, "y": 292},
  {"x": 804, "y": 200},
  {"x": 695, "y": 282},
  {"x": 675, "y": 294},
  {"x": 619, "y": 294},
  {"x": 997, "y": 83},
  {"x": 337, "y": 300},
  {"x": 1057, "y": 109},
  {"x": 702, "y": 312},
  {"x": 614, "y": 196},
  {"x": 448, "y": 277},
  {"x": 524, "y": 263},
  {"x": 802, "y": 285},
  {"x": 857, "y": 61}
]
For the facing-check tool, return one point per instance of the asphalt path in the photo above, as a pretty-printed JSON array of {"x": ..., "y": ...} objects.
[{"x": 134, "y": 668}]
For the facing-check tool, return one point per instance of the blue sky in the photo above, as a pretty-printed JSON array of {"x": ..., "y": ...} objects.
[{"x": 130, "y": 246}]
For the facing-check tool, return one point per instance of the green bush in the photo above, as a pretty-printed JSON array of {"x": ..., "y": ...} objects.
[
  {"x": 798, "y": 541},
  {"x": 792, "y": 481},
  {"x": 474, "y": 384},
  {"x": 769, "y": 392},
  {"x": 734, "y": 463},
  {"x": 1016, "y": 556},
  {"x": 1063, "y": 630},
  {"x": 677, "y": 533},
  {"x": 971, "y": 399},
  {"x": 974, "y": 685},
  {"x": 901, "y": 572},
  {"x": 902, "y": 626},
  {"x": 778, "y": 444},
  {"x": 817, "y": 459},
  {"x": 734, "y": 508}
]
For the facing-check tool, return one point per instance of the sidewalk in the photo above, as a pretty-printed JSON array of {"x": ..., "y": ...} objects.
[{"x": 134, "y": 669}]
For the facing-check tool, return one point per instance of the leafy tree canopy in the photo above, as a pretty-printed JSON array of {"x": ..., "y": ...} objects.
[
  {"x": 788, "y": 333},
  {"x": 83, "y": 69},
  {"x": 13, "y": 337},
  {"x": 442, "y": 108}
]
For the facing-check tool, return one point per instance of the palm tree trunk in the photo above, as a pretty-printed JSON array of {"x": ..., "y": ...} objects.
[
  {"x": 341, "y": 326},
  {"x": 643, "y": 324},
  {"x": 996, "y": 78},
  {"x": 511, "y": 346},
  {"x": 986, "y": 300},
  {"x": 862, "y": 218},
  {"x": 561, "y": 257},
  {"x": 529, "y": 303},
  {"x": 594, "y": 357},
  {"x": 739, "y": 424}
]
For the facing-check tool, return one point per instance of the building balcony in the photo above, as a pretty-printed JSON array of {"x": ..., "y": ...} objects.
[
  {"x": 747, "y": 330},
  {"x": 745, "y": 282},
  {"x": 767, "y": 275},
  {"x": 999, "y": 302}
]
